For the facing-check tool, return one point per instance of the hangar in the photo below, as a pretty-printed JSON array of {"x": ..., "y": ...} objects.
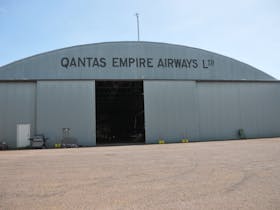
[{"x": 136, "y": 92}]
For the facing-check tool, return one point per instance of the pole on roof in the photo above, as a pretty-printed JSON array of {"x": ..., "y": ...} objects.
[{"x": 138, "y": 32}]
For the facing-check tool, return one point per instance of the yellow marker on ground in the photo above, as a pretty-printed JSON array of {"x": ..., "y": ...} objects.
[
  {"x": 185, "y": 141},
  {"x": 160, "y": 141}
]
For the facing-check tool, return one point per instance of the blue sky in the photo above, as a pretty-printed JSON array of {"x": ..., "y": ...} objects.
[{"x": 247, "y": 30}]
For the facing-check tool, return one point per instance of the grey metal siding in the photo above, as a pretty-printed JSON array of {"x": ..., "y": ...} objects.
[
  {"x": 170, "y": 110},
  {"x": 210, "y": 110},
  {"x": 226, "y": 107},
  {"x": 66, "y": 104},
  {"x": 17, "y": 105},
  {"x": 219, "y": 112},
  {"x": 48, "y": 65},
  {"x": 173, "y": 110},
  {"x": 260, "y": 113}
]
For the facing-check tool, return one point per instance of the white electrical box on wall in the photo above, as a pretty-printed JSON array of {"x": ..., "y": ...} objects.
[{"x": 23, "y": 135}]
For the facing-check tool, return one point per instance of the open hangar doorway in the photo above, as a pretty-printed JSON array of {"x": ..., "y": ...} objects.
[{"x": 119, "y": 112}]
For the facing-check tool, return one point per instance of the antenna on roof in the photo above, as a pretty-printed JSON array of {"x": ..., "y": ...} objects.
[{"x": 138, "y": 33}]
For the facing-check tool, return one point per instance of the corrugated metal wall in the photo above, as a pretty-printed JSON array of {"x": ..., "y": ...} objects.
[
  {"x": 173, "y": 109},
  {"x": 170, "y": 110},
  {"x": 66, "y": 104},
  {"x": 17, "y": 105},
  {"x": 50, "y": 65},
  {"x": 226, "y": 107},
  {"x": 210, "y": 110},
  {"x": 218, "y": 110}
]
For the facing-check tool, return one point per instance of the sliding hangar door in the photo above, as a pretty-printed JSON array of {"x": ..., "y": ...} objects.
[
  {"x": 66, "y": 104},
  {"x": 170, "y": 110},
  {"x": 200, "y": 110},
  {"x": 17, "y": 106}
]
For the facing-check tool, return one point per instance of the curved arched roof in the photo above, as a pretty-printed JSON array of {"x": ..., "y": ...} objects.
[{"x": 130, "y": 60}]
